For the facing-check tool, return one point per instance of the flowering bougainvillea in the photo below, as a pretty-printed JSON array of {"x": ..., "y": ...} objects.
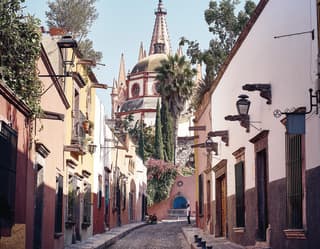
[{"x": 161, "y": 176}]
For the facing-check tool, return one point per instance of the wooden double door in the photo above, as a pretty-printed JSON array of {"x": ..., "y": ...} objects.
[{"x": 221, "y": 206}]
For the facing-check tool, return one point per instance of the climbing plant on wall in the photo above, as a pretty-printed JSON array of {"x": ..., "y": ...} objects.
[
  {"x": 19, "y": 51},
  {"x": 161, "y": 176}
]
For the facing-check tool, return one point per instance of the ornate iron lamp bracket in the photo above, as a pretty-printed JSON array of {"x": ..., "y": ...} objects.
[{"x": 265, "y": 90}]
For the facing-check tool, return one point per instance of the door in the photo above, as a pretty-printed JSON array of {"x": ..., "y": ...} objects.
[
  {"x": 37, "y": 230},
  {"x": 261, "y": 176},
  {"x": 221, "y": 209}
]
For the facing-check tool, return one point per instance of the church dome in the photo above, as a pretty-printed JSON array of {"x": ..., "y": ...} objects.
[{"x": 149, "y": 64}]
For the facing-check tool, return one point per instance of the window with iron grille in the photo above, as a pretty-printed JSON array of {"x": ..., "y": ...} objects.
[
  {"x": 294, "y": 180},
  {"x": 59, "y": 204},
  {"x": 99, "y": 191},
  {"x": 72, "y": 195},
  {"x": 87, "y": 203},
  {"x": 201, "y": 194},
  {"x": 124, "y": 194},
  {"x": 208, "y": 199},
  {"x": 240, "y": 208},
  {"x": 8, "y": 158}
]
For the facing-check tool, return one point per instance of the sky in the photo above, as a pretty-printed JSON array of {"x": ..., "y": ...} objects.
[{"x": 123, "y": 24}]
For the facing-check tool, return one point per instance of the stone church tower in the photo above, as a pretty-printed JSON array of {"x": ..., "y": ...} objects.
[{"x": 137, "y": 92}]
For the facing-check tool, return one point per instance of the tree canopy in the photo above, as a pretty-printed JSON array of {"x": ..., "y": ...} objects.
[
  {"x": 225, "y": 24},
  {"x": 77, "y": 17},
  {"x": 20, "y": 50}
]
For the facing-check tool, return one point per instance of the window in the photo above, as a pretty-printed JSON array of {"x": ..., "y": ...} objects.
[
  {"x": 59, "y": 204},
  {"x": 124, "y": 194},
  {"x": 100, "y": 191},
  {"x": 135, "y": 90},
  {"x": 294, "y": 181},
  {"x": 240, "y": 208},
  {"x": 72, "y": 194},
  {"x": 201, "y": 195},
  {"x": 87, "y": 204},
  {"x": 8, "y": 157},
  {"x": 208, "y": 199}
]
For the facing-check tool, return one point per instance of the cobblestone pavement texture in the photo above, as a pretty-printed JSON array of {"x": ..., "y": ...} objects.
[{"x": 163, "y": 235}]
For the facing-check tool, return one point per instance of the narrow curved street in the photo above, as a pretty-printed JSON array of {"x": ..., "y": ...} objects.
[{"x": 164, "y": 235}]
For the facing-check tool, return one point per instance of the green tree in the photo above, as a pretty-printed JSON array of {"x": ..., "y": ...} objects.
[
  {"x": 141, "y": 142},
  {"x": 158, "y": 143},
  {"x": 225, "y": 25},
  {"x": 148, "y": 137},
  {"x": 176, "y": 84},
  {"x": 75, "y": 16},
  {"x": 167, "y": 132},
  {"x": 20, "y": 51}
]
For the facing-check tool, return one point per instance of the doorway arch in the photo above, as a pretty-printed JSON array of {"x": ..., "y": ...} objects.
[{"x": 179, "y": 202}]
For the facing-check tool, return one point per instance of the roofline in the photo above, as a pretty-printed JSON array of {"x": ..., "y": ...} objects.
[
  {"x": 243, "y": 35},
  {"x": 48, "y": 65},
  {"x": 14, "y": 99}
]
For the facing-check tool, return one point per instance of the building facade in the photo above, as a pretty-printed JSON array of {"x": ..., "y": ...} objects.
[
  {"x": 16, "y": 171},
  {"x": 260, "y": 184}
]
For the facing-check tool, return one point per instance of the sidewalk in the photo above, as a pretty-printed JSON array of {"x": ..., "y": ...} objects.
[
  {"x": 216, "y": 243},
  {"x": 103, "y": 240}
]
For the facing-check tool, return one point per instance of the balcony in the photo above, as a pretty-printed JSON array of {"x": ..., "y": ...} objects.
[{"x": 78, "y": 136}]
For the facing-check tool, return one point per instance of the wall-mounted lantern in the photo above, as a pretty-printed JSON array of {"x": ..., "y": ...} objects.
[
  {"x": 64, "y": 44},
  {"x": 211, "y": 146},
  {"x": 92, "y": 148},
  {"x": 243, "y": 105}
]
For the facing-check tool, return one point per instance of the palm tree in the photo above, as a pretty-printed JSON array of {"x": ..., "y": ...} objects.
[{"x": 176, "y": 78}]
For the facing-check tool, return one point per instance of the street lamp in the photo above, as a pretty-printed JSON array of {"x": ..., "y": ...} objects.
[
  {"x": 64, "y": 44},
  {"x": 243, "y": 105}
]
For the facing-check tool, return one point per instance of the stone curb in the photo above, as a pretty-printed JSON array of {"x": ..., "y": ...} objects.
[{"x": 104, "y": 240}]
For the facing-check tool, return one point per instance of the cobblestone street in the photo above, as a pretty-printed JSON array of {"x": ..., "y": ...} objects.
[{"x": 163, "y": 235}]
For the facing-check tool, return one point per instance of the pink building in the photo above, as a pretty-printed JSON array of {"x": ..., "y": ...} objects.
[{"x": 16, "y": 172}]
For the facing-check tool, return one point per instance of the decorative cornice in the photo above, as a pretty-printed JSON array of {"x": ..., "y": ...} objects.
[
  {"x": 42, "y": 149},
  {"x": 71, "y": 163},
  {"x": 260, "y": 136},
  {"x": 86, "y": 173},
  {"x": 239, "y": 152},
  {"x": 220, "y": 165}
]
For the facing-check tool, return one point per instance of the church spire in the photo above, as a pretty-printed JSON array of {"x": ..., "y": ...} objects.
[
  {"x": 160, "y": 42},
  {"x": 122, "y": 73},
  {"x": 141, "y": 52}
]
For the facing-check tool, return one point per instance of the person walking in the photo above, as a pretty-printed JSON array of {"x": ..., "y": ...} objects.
[{"x": 188, "y": 212}]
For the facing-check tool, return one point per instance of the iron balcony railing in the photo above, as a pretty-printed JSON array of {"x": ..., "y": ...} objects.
[{"x": 78, "y": 134}]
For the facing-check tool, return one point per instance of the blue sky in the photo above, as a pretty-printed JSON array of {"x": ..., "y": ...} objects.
[{"x": 123, "y": 24}]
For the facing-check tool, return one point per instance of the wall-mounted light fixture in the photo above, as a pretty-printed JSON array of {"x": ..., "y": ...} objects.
[
  {"x": 264, "y": 89},
  {"x": 64, "y": 44},
  {"x": 92, "y": 148},
  {"x": 223, "y": 134},
  {"x": 243, "y": 105},
  {"x": 209, "y": 144}
]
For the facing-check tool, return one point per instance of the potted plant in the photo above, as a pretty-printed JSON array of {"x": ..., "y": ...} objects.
[
  {"x": 86, "y": 125},
  {"x": 91, "y": 127}
]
